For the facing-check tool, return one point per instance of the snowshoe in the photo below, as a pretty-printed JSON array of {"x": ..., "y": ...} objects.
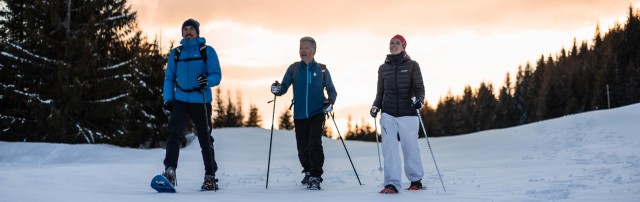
[
  {"x": 210, "y": 183},
  {"x": 389, "y": 189},
  {"x": 314, "y": 183},
  {"x": 162, "y": 185}
]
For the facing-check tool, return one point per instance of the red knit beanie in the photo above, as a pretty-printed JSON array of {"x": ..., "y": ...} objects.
[{"x": 401, "y": 38}]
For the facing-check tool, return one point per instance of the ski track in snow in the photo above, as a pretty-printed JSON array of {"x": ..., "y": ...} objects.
[{"x": 585, "y": 157}]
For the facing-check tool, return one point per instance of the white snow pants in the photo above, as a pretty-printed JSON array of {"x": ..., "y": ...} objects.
[{"x": 407, "y": 127}]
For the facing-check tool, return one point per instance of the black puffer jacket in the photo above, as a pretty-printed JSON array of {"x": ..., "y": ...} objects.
[{"x": 399, "y": 79}]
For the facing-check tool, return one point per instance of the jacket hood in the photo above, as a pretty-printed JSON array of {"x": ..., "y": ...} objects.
[
  {"x": 397, "y": 59},
  {"x": 193, "y": 42}
]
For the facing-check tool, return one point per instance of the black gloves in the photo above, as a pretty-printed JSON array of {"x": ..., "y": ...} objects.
[
  {"x": 374, "y": 111},
  {"x": 276, "y": 88},
  {"x": 168, "y": 106},
  {"x": 416, "y": 103},
  {"x": 202, "y": 81},
  {"x": 327, "y": 106}
]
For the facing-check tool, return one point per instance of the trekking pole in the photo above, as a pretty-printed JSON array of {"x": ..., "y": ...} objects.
[
  {"x": 273, "y": 116},
  {"x": 426, "y": 137},
  {"x": 206, "y": 122},
  {"x": 377, "y": 145},
  {"x": 345, "y": 147}
]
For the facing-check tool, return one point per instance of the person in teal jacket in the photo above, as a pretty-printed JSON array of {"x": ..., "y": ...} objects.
[
  {"x": 188, "y": 80},
  {"x": 309, "y": 79}
]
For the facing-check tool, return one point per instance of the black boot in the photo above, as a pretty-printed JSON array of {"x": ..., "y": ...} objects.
[
  {"x": 305, "y": 180},
  {"x": 210, "y": 183},
  {"x": 416, "y": 185},
  {"x": 314, "y": 183},
  {"x": 389, "y": 189},
  {"x": 170, "y": 174}
]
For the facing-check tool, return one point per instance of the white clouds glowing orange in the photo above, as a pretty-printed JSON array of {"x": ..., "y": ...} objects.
[{"x": 379, "y": 16}]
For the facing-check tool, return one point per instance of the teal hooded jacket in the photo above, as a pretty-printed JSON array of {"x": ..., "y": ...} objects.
[{"x": 308, "y": 88}]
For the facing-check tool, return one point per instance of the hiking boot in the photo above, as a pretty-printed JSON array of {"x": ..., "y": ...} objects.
[
  {"x": 314, "y": 183},
  {"x": 210, "y": 183},
  {"x": 305, "y": 180},
  {"x": 389, "y": 189},
  {"x": 170, "y": 174},
  {"x": 416, "y": 185}
]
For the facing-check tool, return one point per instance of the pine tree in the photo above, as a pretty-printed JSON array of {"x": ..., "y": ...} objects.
[
  {"x": 610, "y": 72},
  {"x": 558, "y": 90},
  {"x": 286, "y": 120},
  {"x": 530, "y": 92},
  {"x": 71, "y": 71},
  {"x": 628, "y": 59},
  {"x": 466, "y": 106},
  {"x": 506, "y": 112},
  {"x": 349, "y": 124},
  {"x": 446, "y": 116},
  {"x": 240, "y": 116},
  {"x": 598, "y": 96},
  {"x": 484, "y": 114},
  {"x": 232, "y": 118},
  {"x": 220, "y": 115},
  {"x": 584, "y": 81},
  {"x": 540, "y": 95},
  {"x": 149, "y": 74},
  {"x": 426, "y": 114},
  {"x": 327, "y": 129},
  {"x": 254, "y": 119},
  {"x": 524, "y": 94}
]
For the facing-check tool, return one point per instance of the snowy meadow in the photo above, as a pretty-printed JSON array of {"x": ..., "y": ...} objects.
[{"x": 592, "y": 156}]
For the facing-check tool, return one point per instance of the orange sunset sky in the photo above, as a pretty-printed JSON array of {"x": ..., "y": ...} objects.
[{"x": 456, "y": 42}]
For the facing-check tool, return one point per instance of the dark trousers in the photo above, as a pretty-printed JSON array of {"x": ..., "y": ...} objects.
[
  {"x": 309, "y": 142},
  {"x": 181, "y": 113}
]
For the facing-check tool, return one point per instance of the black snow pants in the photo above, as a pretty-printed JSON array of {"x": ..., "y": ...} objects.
[
  {"x": 309, "y": 143},
  {"x": 181, "y": 113}
]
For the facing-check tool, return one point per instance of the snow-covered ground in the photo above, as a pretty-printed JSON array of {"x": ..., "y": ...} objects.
[{"x": 592, "y": 156}]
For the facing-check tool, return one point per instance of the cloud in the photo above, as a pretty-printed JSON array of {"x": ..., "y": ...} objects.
[
  {"x": 249, "y": 73},
  {"x": 383, "y": 16}
]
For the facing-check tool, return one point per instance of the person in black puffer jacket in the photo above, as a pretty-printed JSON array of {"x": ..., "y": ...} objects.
[{"x": 400, "y": 94}]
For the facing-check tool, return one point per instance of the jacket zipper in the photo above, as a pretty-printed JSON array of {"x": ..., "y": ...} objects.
[
  {"x": 307, "y": 98},
  {"x": 397, "y": 92}
]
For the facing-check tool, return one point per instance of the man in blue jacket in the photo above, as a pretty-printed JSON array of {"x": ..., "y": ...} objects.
[
  {"x": 309, "y": 80},
  {"x": 192, "y": 70}
]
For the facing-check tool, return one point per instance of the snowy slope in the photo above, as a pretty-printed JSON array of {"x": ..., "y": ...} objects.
[{"x": 592, "y": 156}]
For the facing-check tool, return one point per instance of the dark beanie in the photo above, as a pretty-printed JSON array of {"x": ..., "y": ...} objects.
[{"x": 193, "y": 23}]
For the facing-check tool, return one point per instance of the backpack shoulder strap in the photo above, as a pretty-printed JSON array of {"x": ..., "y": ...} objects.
[
  {"x": 295, "y": 68},
  {"x": 176, "y": 55},
  {"x": 323, "y": 67},
  {"x": 178, "y": 50},
  {"x": 203, "y": 53}
]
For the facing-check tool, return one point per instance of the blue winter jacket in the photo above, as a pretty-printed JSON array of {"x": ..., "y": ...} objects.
[
  {"x": 187, "y": 72},
  {"x": 308, "y": 89}
]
